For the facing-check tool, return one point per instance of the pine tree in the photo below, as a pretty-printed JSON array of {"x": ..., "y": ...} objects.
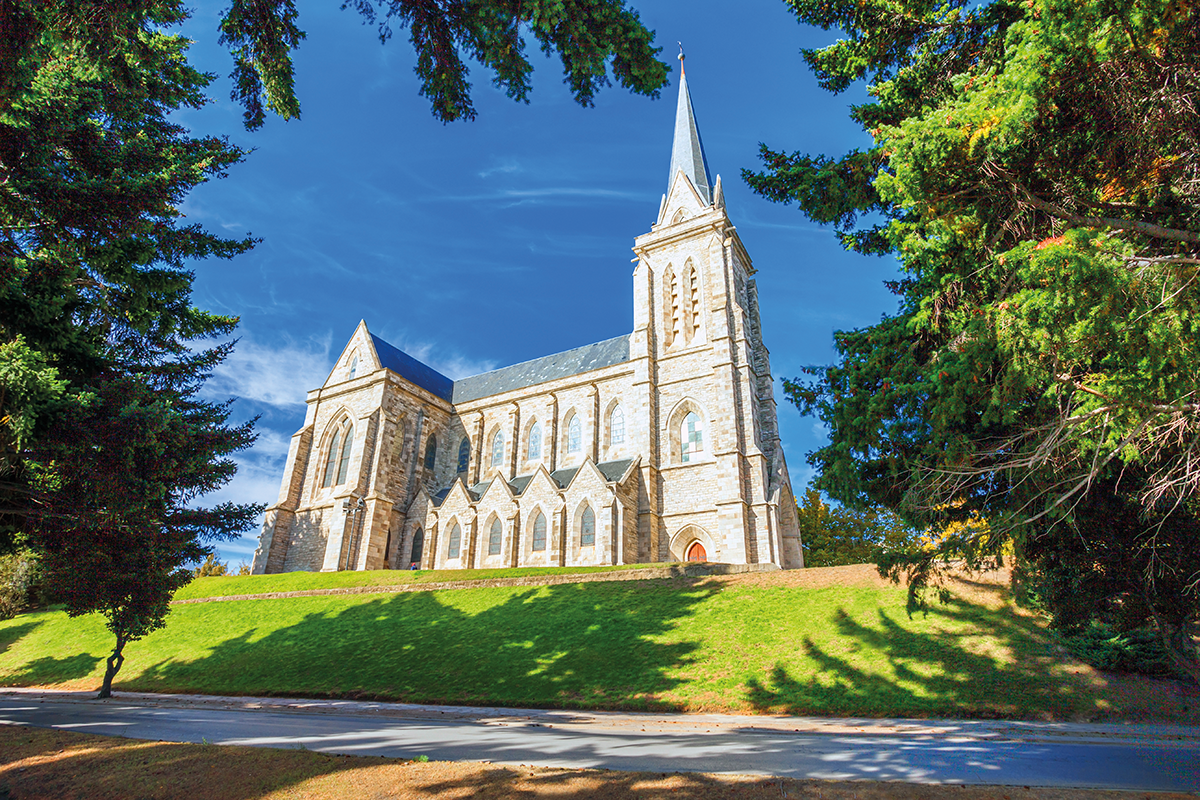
[{"x": 1036, "y": 170}]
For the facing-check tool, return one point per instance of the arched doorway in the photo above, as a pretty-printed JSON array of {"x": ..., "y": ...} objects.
[
  {"x": 418, "y": 545},
  {"x": 696, "y": 552}
]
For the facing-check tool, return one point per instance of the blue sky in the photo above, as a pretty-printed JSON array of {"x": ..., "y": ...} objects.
[{"x": 481, "y": 244}]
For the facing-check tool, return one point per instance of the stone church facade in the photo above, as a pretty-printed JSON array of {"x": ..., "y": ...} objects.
[{"x": 659, "y": 445}]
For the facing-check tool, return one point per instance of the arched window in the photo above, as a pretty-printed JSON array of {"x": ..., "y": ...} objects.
[
  {"x": 495, "y": 537},
  {"x": 534, "y": 449},
  {"x": 691, "y": 436},
  {"x": 464, "y": 455},
  {"x": 498, "y": 449},
  {"x": 353, "y": 367},
  {"x": 587, "y": 527},
  {"x": 431, "y": 452},
  {"x": 347, "y": 441},
  {"x": 616, "y": 426},
  {"x": 418, "y": 547},
  {"x": 455, "y": 541},
  {"x": 331, "y": 460},
  {"x": 539, "y": 532},
  {"x": 574, "y": 435}
]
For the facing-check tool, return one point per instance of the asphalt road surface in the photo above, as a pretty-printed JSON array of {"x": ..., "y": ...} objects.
[{"x": 1134, "y": 757}]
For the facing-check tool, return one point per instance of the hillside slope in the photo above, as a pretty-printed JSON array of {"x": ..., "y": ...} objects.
[{"x": 833, "y": 641}]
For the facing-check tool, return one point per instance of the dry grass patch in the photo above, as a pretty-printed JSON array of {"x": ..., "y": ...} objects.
[{"x": 37, "y": 763}]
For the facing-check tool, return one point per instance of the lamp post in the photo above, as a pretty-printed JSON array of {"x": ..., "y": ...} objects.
[{"x": 353, "y": 506}]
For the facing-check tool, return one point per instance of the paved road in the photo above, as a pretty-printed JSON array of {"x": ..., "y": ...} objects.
[{"x": 920, "y": 751}]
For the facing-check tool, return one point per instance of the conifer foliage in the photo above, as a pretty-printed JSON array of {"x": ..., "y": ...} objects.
[
  {"x": 590, "y": 36},
  {"x": 106, "y": 442},
  {"x": 1036, "y": 170}
]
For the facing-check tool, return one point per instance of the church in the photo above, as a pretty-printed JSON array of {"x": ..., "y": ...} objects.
[{"x": 659, "y": 445}]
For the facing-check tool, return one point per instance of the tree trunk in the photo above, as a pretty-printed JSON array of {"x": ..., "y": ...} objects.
[
  {"x": 1181, "y": 649},
  {"x": 113, "y": 666}
]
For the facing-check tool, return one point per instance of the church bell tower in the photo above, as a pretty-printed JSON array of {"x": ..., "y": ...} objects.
[{"x": 705, "y": 374}]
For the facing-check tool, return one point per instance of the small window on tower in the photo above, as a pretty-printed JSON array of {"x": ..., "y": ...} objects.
[
  {"x": 693, "y": 437},
  {"x": 353, "y": 367}
]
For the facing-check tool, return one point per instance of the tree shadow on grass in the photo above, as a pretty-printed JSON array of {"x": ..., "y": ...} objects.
[
  {"x": 50, "y": 670},
  {"x": 944, "y": 672},
  {"x": 11, "y": 634},
  {"x": 596, "y": 645}
]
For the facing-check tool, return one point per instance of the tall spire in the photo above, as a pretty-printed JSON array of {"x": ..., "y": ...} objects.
[{"x": 687, "y": 153}]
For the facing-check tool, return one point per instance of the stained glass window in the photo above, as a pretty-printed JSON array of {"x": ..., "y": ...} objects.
[
  {"x": 331, "y": 460},
  {"x": 347, "y": 440},
  {"x": 587, "y": 527},
  {"x": 418, "y": 548},
  {"x": 539, "y": 532},
  {"x": 495, "y": 537},
  {"x": 455, "y": 541},
  {"x": 534, "y": 451},
  {"x": 693, "y": 436},
  {"x": 431, "y": 452},
  {"x": 616, "y": 426},
  {"x": 574, "y": 435},
  {"x": 498, "y": 449},
  {"x": 464, "y": 455}
]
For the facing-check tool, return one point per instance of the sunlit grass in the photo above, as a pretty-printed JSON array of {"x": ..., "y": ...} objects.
[{"x": 695, "y": 644}]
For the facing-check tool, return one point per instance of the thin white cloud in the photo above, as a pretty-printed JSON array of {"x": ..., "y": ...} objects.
[
  {"x": 276, "y": 376},
  {"x": 500, "y": 169}
]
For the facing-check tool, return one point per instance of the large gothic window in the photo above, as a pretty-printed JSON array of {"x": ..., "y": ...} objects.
[
  {"x": 498, "y": 449},
  {"x": 534, "y": 450},
  {"x": 344, "y": 464},
  {"x": 539, "y": 532},
  {"x": 587, "y": 527},
  {"x": 331, "y": 460},
  {"x": 495, "y": 537},
  {"x": 455, "y": 541},
  {"x": 464, "y": 455},
  {"x": 692, "y": 437},
  {"x": 574, "y": 435},
  {"x": 616, "y": 426},
  {"x": 431, "y": 452}
]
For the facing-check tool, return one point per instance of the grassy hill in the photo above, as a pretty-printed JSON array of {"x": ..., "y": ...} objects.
[{"x": 832, "y": 641}]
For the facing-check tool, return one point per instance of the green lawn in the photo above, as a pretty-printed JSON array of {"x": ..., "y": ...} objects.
[
  {"x": 672, "y": 645},
  {"x": 226, "y": 585}
]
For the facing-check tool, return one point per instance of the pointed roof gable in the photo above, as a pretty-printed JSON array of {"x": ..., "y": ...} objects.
[
  {"x": 412, "y": 370},
  {"x": 687, "y": 152}
]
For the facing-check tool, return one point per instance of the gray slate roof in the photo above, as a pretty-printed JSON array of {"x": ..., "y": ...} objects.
[
  {"x": 412, "y": 370},
  {"x": 506, "y": 379},
  {"x": 540, "y": 370}
]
